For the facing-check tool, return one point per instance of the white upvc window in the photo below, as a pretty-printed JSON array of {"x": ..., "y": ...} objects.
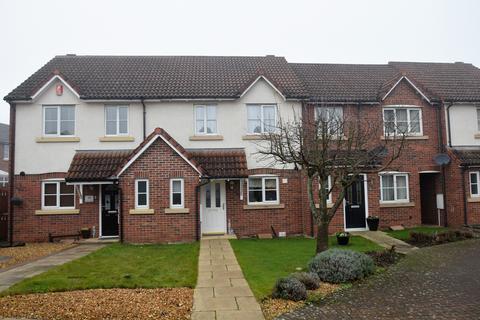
[
  {"x": 332, "y": 117},
  {"x": 261, "y": 118},
  {"x": 6, "y": 151},
  {"x": 328, "y": 187},
  {"x": 474, "y": 184},
  {"x": 399, "y": 120},
  {"x": 478, "y": 119},
  {"x": 263, "y": 190},
  {"x": 205, "y": 119},
  {"x": 394, "y": 187},
  {"x": 142, "y": 194},
  {"x": 59, "y": 120},
  {"x": 177, "y": 193},
  {"x": 116, "y": 120},
  {"x": 3, "y": 181},
  {"x": 57, "y": 195}
]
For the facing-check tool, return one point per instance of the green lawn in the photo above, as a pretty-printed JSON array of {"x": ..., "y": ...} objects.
[
  {"x": 264, "y": 261},
  {"x": 120, "y": 266},
  {"x": 404, "y": 235}
]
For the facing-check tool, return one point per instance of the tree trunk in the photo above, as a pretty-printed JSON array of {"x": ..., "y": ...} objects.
[{"x": 322, "y": 237}]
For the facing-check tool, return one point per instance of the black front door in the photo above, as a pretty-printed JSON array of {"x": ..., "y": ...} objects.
[
  {"x": 355, "y": 205},
  {"x": 109, "y": 210}
]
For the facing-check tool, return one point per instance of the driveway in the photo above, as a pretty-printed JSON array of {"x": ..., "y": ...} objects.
[{"x": 440, "y": 282}]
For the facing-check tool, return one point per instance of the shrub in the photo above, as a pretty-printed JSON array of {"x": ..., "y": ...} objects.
[
  {"x": 289, "y": 288},
  {"x": 384, "y": 258},
  {"x": 338, "y": 266},
  {"x": 421, "y": 238},
  {"x": 309, "y": 279}
]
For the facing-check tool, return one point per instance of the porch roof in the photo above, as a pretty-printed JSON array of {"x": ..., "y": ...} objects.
[
  {"x": 222, "y": 163},
  {"x": 467, "y": 157}
]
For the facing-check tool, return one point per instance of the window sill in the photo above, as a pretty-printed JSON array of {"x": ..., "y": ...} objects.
[
  {"x": 329, "y": 205},
  {"x": 47, "y": 212},
  {"x": 142, "y": 211},
  {"x": 406, "y": 138},
  {"x": 57, "y": 139},
  {"x": 177, "y": 210},
  {"x": 116, "y": 139},
  {"x": 252, "y": 137},
  {"x": 207, "y": 137},
  {"x": 263, "y": 206},
  {"x": 473, "y": 199},
  {"x": 396, "y": 204}
]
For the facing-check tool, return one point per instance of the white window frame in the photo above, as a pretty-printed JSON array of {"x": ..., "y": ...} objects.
[
  {"x": 477, "y": 173},
  {"x": 147, "y": 205},
  {"x": 205, "y": 119},
  {"x": 3, "y": 181},
  {"x": 117, "y": 129},
  {"x": 330, "y": 110},
  {"x": 408, "y": 108},
  {"x": 57, "y": 182},
  {"x": 262, "y": 117},
  {"x": 6, "y": 152},
  {"x": 59, "y": 107},
  {"x": 263, "y": 177},
  {"x": 478, "y": 119},
  {"x": 329, "y": 182},
  {"x": 182, "y": 190},
  {"x": 395, "y": 197}
]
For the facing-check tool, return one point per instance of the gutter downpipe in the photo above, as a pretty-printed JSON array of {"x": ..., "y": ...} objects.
[
  {"x": 442, "y": 149},
  {"x": 465, "y": 217},
  {"x": 449, "y": 131},
  {"x": 142, "y": 100},
  {"x": 11, "y": 171}
]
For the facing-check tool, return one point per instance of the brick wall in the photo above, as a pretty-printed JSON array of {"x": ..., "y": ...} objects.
[
  {"x": 29, "y": 227},
  {"x": 159, "y": 163}
]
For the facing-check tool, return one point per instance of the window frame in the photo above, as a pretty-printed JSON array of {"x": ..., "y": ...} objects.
[
  {"x": 147, "y": 191},
  {"x": 58, "y": 194},
  {"x": 477, "y": 173},
  {"x": 6, "y": 149},
  {"x": 395, "y": 197},
  {"x": 117, "y": 120},
  {"x": 329, "y": 183},
  {"x": 319, "y": 107},
  {"x": 478, "y": 119},
  {"x": 182, "y": 190},
  {"x": 58, "y": 107},
  {"x": 205, "y": 119},
  {"x": 3, "y": 180},
  {"x": 262, "y": 117},
  {"x": 263, "y": 177},
  {"x": 408, "y": 108}
]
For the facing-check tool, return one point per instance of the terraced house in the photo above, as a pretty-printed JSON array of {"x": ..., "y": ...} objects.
[{"x": 163, "y": 148}]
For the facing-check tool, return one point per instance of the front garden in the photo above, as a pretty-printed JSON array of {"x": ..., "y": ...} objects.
[{"x": 425, "y": 236}]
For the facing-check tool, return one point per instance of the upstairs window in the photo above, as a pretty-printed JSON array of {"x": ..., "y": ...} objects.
[
  {"x": 263, "y": 190},
  {"x": 261, "y": 118},
  {"x": 116, "y": 120},
  {"x": 59, "y": 120},
  {"x": 58, "y": 195},
  {"x": 400, "y": 120},
  {"x": 394, "y": 187},
  {"x": 205, "y": 120},
  {"x": 332, "y": 117},
  {"x": 478, "y": 119},
  {"x": 6, "y": 151},
  {"x": 474, "y": 181},
  {"x": 176, "y": 193},
  {"x": 141, "y": 194}
]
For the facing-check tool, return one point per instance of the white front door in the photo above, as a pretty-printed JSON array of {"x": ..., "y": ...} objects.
[{"x": 214, "y": 214}]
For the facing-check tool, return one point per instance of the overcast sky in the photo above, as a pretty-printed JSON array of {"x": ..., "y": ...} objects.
[{"x": 32, "y": 32}]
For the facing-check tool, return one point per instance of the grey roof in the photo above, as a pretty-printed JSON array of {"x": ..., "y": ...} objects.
[
  {"x": 162, "y": 77},
  {"x": 213, "y": 77},
  {"x": 467, "y": 157},
  {"x": 4, "y": 133}
]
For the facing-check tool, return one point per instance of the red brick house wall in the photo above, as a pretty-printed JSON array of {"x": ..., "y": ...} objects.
[
  {"x": 30, "y": 227},
  {"x": 159, "y": 163}
]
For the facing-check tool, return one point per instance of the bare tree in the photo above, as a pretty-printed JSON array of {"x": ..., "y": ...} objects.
[{"x": 332, "y": 146}]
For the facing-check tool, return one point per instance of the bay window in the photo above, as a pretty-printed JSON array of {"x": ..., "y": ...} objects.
[{"x": 263, "y": 190}]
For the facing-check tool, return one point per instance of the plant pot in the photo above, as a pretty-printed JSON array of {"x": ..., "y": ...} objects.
[
  {"x": 373, "y": 223},
  {"x": 85, "y": 233},
  {"x": 342, "y": 240}
]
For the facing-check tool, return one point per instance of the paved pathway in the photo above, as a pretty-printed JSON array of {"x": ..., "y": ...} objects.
[
  {"x": 386, "y": 241},
  {"x": 11, "y": 276},
  {"x": 440, "y": 282},
  {"x": 222, "y": 291}
]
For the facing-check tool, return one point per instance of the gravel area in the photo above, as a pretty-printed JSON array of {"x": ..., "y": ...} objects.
[
  {"x": 169, "y": 303},
  {"x": 440, "y": 282},
  {"x": 29, "y": 252}
]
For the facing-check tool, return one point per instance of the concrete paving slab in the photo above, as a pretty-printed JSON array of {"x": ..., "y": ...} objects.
[
  {"x": 215, "y": 304},
  {"x": 240, "y": 315},
  {"x": 233, "y": 292},
  {"x": 248, "y": 303},
  {"x": 203, "y": 315}
]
